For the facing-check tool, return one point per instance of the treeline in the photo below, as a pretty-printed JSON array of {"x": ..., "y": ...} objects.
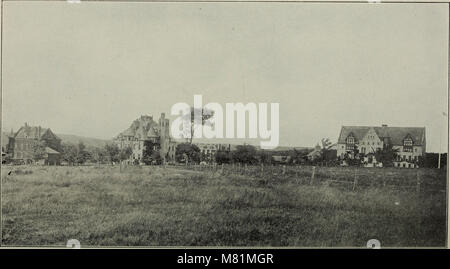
[
  {"x": 77, "y": 154},
  {"x": 245, "y": 154}
]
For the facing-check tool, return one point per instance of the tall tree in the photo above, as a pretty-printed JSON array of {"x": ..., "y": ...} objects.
[
  {"x": 69, "y": 153},
  {"x": 39, "y": 150},
  {"x": 98, "y": 155},
  {"x": 150, "y": 154},
  {"x": 112, "y": 151},
  {"x": 195, "y": 122},
  {"x": 245, "y": 154},
  {"x": 187, "y": 152},
  {"x": 82, "y": 155},
  {"x": 125, "y": 153},
  {"x": 222, "y": 156},
  {"x": 387, "y": 155}
]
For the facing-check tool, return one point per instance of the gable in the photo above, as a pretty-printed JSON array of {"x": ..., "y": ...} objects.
[
  {"x": 358, "y": 133},
  {"x": 142, "y": 128},
  {"x": 30, "y": 132},
  {"x": 371, "y": 135},
  {"x": 49, "y": 135},
  {"x": 396, "y": 135}
]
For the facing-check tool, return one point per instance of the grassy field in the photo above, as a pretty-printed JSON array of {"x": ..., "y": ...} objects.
[{"x": 156, "y": 206}]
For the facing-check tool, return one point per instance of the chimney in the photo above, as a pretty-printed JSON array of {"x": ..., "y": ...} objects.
[
  {"x": 163, "y": 115},
  {"x": 26, "y": 124}
]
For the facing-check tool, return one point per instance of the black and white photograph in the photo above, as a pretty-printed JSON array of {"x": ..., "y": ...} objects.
[{"x": 224, "y": 124}]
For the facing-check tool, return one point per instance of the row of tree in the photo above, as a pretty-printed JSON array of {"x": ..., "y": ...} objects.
[{"x": 77, "y": 154}]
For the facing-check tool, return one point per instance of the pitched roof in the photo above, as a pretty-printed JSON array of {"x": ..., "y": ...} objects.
[
  {"x": 395, "y": 134},
  {"x": 142, "y": 128},
  {"x": 50, "y": 151},
  {"x": 33, "y": 132}
]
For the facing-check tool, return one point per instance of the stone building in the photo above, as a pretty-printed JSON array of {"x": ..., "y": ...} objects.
[
  {"x": 409, "y": 141},
  {"x": 21, "y": 145},
  {"x": 146, "y": 129}
]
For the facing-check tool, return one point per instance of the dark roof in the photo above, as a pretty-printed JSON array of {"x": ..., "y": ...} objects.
[
  {"x": 34, "y": 132},
  {"x": 142, "y": 128},
  {"x": 395, "y": 134}
]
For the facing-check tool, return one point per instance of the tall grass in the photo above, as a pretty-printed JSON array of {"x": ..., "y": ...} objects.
[{"x": 155, "y": 206}]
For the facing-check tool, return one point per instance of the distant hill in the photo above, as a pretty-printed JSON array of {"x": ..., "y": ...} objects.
[
  {"x": 88, "y": 141},
  {"x": 67, "y": 138}
]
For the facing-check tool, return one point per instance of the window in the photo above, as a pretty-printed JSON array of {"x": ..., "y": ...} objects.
[{"x": 407, "y": 142}]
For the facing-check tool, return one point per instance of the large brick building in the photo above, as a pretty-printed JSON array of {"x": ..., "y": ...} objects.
[
  {"x": 21, "y": 145},
  {"x": 146, "y": 129},
  {"x": 409, "y": 141}
]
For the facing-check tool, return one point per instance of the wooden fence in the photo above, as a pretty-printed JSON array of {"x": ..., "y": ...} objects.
[{"x": 348, "y": 177}]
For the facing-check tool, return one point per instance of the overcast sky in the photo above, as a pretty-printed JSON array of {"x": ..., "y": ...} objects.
[{"x": 90, "y": 69}]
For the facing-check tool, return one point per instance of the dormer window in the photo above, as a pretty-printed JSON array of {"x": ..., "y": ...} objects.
[
  {"x": 407, "y": 144},
  {"x": 350, "y": 140},
  {"x": 350, "y": 143}
]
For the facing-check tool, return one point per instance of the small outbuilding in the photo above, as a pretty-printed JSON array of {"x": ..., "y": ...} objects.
[{"x": 52, "y": 157}]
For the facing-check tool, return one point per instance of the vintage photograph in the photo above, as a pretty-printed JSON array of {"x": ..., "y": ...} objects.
[{"x": 224, "y": 124}]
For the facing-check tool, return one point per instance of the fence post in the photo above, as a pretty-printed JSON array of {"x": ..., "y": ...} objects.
[
  {"x": 418, "y": 181},
  {"x": 312, "y": 175},
  {"x": 355, "y": 180}
]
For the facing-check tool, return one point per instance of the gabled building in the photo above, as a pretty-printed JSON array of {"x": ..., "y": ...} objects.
[
  {"x": 409, "y": 141},
  {"x": 21, "y": 144},
  {"x": 146, "y": 129}
]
